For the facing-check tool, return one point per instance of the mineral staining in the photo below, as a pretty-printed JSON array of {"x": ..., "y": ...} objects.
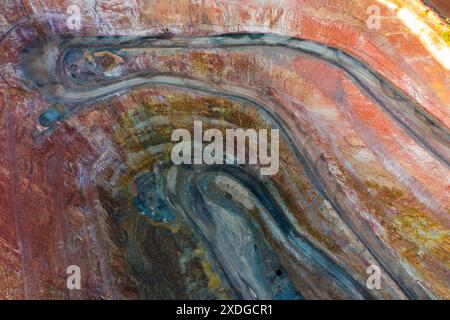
[
  {"x": 362, "y": 165},
  {"x": 210, "y": 202},
  {"x": 79, "y": 69},
  {"x": 243, "y": 227}
]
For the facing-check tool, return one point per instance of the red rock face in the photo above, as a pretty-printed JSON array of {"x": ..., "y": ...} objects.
[
  {"x": 442, "y": 7},
  {"x": 86, "y": 175}
]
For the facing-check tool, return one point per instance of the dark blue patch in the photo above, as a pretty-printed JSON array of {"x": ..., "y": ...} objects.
[
  {"x": 49, "y": 117},
  {"x": 150, "y": 200}
]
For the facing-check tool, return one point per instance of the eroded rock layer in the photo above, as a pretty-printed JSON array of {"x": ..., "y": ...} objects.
[{"x": 88, "y": 179}]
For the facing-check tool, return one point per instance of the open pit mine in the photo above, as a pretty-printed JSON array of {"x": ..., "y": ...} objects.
[{"x": 226, "y": 149}]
